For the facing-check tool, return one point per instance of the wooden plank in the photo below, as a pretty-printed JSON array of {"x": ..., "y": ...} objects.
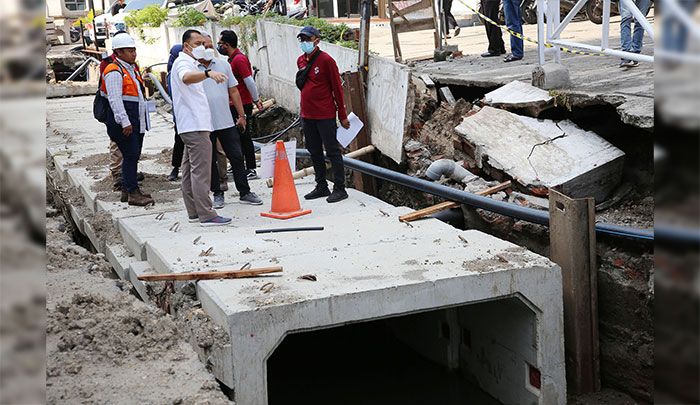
[
  {"x": 357, "y": 104},
  {"x": 572, "y": 247},
  {"x": 449, "y": 204},
  {"x": 211, "y": 275}
]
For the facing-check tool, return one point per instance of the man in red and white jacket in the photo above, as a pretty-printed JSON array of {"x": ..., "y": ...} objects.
[{"x": 321, "y": 102}]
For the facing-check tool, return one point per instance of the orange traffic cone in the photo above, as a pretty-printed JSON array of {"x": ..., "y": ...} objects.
[{"x": 285, "y": 201}]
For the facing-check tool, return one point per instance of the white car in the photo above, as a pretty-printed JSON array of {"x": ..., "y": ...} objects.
[{"x": 108, "y": 24}]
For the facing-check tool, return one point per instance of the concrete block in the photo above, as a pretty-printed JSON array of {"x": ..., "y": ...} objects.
[
  {"x": 70, "y": 89},
  {"x": 518, "y": 95},
  {"x": 542, "y": 153},
  {"x": 551, "y": 76},
  {"x": 136, "y": 269},
  {"x": 119, "y": 258}
]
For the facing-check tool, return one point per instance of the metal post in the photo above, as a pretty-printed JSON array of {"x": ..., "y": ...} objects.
[
  {"x": 573, "y": 248},
  {"x": 540, "y": 32},
  {"x": 363, "y": 62},
  {"x": 553, "y": 19},
  {"x": 94, "y": 26},
  {"x": 82, "y": 33},
  {"x": 604, "y": 41}
]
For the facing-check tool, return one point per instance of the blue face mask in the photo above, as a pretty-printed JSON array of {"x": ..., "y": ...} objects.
[
  {"x": 307, "y": 46},
  {"x": 220, "y": 48}
]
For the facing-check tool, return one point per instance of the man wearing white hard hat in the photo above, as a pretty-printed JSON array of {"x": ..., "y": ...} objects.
[{"x": 123, "y": 86}]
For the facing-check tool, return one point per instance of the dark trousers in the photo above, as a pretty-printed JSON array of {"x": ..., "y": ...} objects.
[
  {"x": 231, "y": 144},
  {"x": 130, "y": 147},
  {"x": 246, "y": 136},
  {"x": 450, "y": 21},
  {"x": 489, "y": 8},
  {"x": 319, "y": 135},
  {"x": 178, "y": 150}
]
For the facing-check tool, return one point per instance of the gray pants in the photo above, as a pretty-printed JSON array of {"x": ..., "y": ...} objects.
[{"x": 196, "y": 175}]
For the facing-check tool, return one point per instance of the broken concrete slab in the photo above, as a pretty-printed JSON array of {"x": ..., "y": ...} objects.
[
  {"x": 541, "y": 154},
  {"x": 518, "y": 95}
]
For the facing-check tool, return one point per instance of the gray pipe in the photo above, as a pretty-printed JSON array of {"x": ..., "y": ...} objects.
[
  {"x": 160, "y": 88},
  {"x": 449, "y": 168},
  {"x": 82, "y": 67}
]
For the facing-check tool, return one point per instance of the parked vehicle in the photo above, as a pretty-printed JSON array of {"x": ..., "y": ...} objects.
[{"x": 594, "y": 10}]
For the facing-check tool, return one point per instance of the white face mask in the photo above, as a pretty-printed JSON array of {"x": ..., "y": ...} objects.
[
  {"x": 199, "y": 52},
  {"x": 209, "y": 54}
]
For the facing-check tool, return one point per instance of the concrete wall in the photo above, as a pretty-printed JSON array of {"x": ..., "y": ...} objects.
[
  {"x": 275, "y": 53},
  {"x": 494, "y": 355}
]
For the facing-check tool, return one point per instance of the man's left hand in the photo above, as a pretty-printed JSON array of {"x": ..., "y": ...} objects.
[
  {"x": 241, "y": 123},
  {"x": 260, "y": 105},
  {"x": 345, "y": 123}
]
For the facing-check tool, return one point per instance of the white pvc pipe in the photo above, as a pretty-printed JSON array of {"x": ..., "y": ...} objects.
[
  {"x": 612, "y": 52},
  {"x": 639, "y": 17},
  {"x": 605, "y": 38},
  {"x": 540, "y": 32},
  {"x": 579, "y": 5}
]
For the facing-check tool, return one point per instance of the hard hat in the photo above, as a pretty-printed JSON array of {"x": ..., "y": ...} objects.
[{"x": 123, "y": 40}]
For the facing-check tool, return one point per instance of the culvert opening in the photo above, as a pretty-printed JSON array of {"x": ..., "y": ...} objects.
[{"x": 483, "y": 353}]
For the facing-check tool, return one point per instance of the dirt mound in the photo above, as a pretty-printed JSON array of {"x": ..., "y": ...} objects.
[
  {"x": 105, "y": 346},
  {"x": 92, "y": 326}
]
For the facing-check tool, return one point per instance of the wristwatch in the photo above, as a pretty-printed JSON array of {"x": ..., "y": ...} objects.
[{"x": 206, "y": 73}]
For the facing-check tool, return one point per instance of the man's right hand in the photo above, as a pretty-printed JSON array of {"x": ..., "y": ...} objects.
[
  {"x": 217, "y": 77},
  {"x": 127, "y": 130}
]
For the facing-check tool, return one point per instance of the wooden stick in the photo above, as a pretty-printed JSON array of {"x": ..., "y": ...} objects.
[
  {"x": 310, "y": 170},
  {"x": 449, "y": 204},
  {"x": 210, "y": 275}
]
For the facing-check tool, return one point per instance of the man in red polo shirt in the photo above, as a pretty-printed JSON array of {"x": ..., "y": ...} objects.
[
  {"x": 321, "y": 102},
  {"x": 243, "y": 72}
]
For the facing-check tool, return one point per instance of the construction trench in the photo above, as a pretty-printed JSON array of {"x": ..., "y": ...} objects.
[{"x": 394, "y": 310}]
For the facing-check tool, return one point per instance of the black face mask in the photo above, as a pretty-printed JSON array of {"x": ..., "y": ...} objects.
[{"x": 220, "y": 48}]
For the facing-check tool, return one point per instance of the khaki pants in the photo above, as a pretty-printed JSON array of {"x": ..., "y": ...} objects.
[
  {"x": 221, "y": 161},
  {"x": 196, "y": 175},
  {"x": 115, "y": 162}
]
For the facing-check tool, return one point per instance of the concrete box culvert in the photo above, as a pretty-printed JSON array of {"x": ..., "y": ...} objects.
[{"x": 483, "y": 353}]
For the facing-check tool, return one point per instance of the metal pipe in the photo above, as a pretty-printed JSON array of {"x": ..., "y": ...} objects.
[
  {"x": 612, "y": 52},
  {"x": 297, "y": 229},
  {"x": 504, "y": 208},
  {"x": 81, "y": 68},
  {"x": 540, "y": 32},
  {"x": 579, "y": 5},
  {"x": 160, "y": 88},
  {"x": 605, "y": 28}
]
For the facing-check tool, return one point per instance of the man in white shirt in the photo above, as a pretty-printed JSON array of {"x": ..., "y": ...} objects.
[
  {"x": 194, "y": 124},
  {"x": 224, "y": 129}
]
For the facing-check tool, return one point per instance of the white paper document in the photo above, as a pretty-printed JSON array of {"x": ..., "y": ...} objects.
[
  {"x": 345, "y": 136},
  {"x": 267, "y": 158}
]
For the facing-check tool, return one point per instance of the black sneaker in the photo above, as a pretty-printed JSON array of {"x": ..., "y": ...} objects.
[
  {"x": 318, "y": 192},
  {"x": 338, "y": 194}
]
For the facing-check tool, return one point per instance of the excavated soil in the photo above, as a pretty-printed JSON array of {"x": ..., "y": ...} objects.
[{"x": 105, "y": 346}]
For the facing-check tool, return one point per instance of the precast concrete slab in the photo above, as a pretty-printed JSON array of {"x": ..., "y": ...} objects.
[{"x": 366, "y": 265}]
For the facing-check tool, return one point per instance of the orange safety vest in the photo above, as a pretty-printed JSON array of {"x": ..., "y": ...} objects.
[{"x": 129, "y": 90}]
